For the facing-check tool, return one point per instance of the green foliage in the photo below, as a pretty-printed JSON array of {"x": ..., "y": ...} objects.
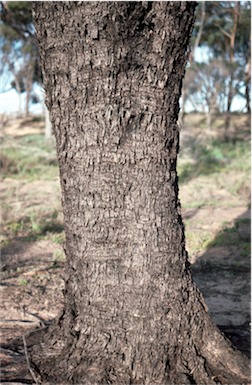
[
  {"x": 8, "y": 37},
  {"x": 19, "y": 51},
  {"x": 242, "y": 42},
  {"x": 17, "y": 15},
  {"x": 226, "y": 37},
  {"x": 218, "y": 26}
]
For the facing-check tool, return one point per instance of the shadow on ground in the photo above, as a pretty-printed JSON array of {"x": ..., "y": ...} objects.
[{"x": 222, "y": 274}]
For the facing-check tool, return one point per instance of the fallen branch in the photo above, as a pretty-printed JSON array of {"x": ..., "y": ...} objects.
[{"x": 28, "y": 361}]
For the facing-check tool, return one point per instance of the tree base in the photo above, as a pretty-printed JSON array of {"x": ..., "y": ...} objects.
[{"x": 61, "y": 361}]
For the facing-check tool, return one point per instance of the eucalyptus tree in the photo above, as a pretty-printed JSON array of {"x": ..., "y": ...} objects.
[
  {"x": 132, "y": 315},
  {"x": 19, "y": 55},
  {"x": 227, "y": 35}
]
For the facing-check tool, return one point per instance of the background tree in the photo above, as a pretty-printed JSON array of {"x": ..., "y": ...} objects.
[
  {"x": 112, "y": 72},
  {"x": 19, "y": 52},
  {"x": 223, "y": 32},
  {"x": 243, "y": 52},
  {"x": 208, "y": 87},
  {"x": 10, "y": 58},
  {"x": 196, "y": 37}
]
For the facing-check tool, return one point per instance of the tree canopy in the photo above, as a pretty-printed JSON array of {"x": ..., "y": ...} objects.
[{"x": 222, "y": 31}]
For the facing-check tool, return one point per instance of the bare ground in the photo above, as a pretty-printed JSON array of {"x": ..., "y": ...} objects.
[{"x": 33, "y": 271}]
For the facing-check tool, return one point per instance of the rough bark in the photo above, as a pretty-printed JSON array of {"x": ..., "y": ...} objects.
[
  {"x": 248, "y": 79},
  {"x": 132, "y": 315}
]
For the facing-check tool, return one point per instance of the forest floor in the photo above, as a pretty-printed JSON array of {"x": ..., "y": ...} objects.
[{"x": 215, "y": 196}]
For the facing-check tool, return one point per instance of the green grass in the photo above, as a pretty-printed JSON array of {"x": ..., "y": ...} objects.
[
  {"x": 22, "y": 281},
  {"x": 58, "y": 238},
  {"x": 34, "y": 227},
  {"x": 233, "y": 236},
  {"x": 216, "y": 157},
  {"x": 215, "y": 174},
  {"x": 197, "y": 242},
  {"x": 26, "y": 159},
  {"x": 59, "y": 256},
  {"x": 30, "y": 158}
]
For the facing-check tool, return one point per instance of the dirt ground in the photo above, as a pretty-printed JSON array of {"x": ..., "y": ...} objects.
[{"x": 33, "y": 271}]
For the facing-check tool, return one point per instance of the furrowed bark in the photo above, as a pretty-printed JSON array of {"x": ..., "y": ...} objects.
[{"x": 112, "y": 73}]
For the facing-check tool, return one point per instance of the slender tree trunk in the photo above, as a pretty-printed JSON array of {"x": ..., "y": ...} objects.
[
  {"x": 27, "y": 103},
  {"x": 209, "y": 120},
  {"x": 132, "y": 315},
  {"x": 28, "y": 90},
  {"x": 248, "y": 79},
  {"x": 185, "y": 93},
  {"x": 230, "y": 96},
  {"x": 19, "y": 97},
  {"x": 229, "y": 103},
  {"x": 248, "y": 98},
  {"x": 18, "y": 89},
  {"x": 200, "y": 30},
  {"x": 19, "y": 104},
  {"x": 28, "y": 82}
]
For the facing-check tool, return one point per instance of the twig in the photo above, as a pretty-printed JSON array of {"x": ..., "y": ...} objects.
[
  {"x": 42, "y": 322},
  {"x": 28, "y": 362}
]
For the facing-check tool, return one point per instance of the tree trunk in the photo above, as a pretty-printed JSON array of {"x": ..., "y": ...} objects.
[
  {"x": 132, "y": 315},
  {"x": 18, "y": 89},
  {"x": 185, "y": 92},
  {"x": 27, "y": 103},
  {"x": 248, "y": 79},
  {"x": 247, "y": 94},
  {"x": 28, "y": 83},
  {"x": 209, "y": 120},
  {"x": 229, "y": 103},
  {"x": 230, "y": 95},
  {"x": 28, "y": 90}
]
